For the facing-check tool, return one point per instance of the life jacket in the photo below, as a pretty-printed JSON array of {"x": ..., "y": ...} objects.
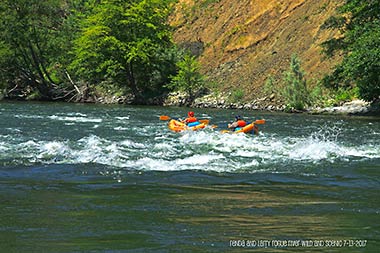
[
  {"x": 191, "y": 119},
  {"x": 241, "y": 123}
]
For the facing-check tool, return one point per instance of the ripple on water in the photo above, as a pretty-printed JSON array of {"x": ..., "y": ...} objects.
[{"x": 153, "y": 147}]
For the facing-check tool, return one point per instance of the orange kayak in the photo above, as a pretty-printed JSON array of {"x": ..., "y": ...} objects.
[
  {"x": 247, "y": 129},
  {"x": 178, "y": 126}
]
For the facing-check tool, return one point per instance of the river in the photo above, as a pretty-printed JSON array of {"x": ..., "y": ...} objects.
[{"x": 113, "y": 178}]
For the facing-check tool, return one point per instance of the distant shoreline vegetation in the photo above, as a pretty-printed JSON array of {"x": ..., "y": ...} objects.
[
  {"x": 123, "y": 52},
  {"x": 79, "y": 51}
]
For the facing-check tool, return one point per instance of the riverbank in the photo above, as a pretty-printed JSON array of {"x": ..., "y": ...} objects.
[
  {"x": 270, "y": 103},
  {"x": 355, "y": 107},
  {"x": 220, "y": 101}
]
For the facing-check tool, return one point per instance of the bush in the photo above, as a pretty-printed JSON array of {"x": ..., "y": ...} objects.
[
  {"x": 269, "y": 88},
  {"x": 345, "y": 95},
  {"x": 237, "y": 95}
]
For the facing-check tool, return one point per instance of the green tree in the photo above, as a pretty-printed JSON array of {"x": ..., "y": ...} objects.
[
  {"x": 188, "y": 77},
  {"x": 295, "y": 91},
  {"x": 29, "y": 48},
  {"x": 6, "y": 66},
  {"x": 359, "y": 22},
  {"x": 127, "y": 42}
]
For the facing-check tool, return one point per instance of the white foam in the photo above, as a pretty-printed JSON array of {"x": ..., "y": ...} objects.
[
  {"x": 120, "y": 128},
  {"x": 250, "y": 164},
  {"x": 29, "y": 144},
  {"x": 163, "y": 146},
  {"x": 3, "y": 147},
  {"x": 22, "y": 116},
  {"x": 93, "y": 149},
  {"x": 198, "y": 159},
  {"x": 53, "y": 147},
  {"x": 366, "y": 151},
  {"x": 14, "y": 130},
  {"x": 123, "y": 118},
  {"x": 203, "y": 150},
  {"x": 132, "y": 144},
  {"x": 245, "y": 153},
  {"x": 310, "y": 149},
  {"x": 50, "y": 150},
  {"x": 77, "y": 114},
  {"x": 147, "y": 163},
  {"x": 202, "y": 162},
  {"x": 75, "y": 119}
]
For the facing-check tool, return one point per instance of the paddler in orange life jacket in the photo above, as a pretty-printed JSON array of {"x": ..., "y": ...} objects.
[
  {"x": 190, "y": 118},
  {"x": 238, "y": 123}
]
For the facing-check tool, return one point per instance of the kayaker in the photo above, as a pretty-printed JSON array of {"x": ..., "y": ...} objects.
[
  {"x": 190, "y": 118},
  {"x": 238, "y": 123}
]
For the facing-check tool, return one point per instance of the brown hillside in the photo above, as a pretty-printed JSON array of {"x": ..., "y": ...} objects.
[{"x": 242, "y": 42}]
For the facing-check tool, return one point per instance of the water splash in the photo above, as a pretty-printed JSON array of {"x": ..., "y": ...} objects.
[
  {"x": 75, "y": 118},
  {"x": 204, "y": 150}
]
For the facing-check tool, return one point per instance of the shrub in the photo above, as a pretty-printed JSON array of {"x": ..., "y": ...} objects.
[
  {"x": 237, "y": 95},
  {"x": 295, "y": 91},
  {"x": 269, "y": 87}
]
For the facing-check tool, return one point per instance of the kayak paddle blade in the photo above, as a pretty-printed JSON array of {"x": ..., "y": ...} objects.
[
  {"x": 204, "y": 121},
  {"x": 164, "y": 117},
  {"x": 259, "y": 121}
]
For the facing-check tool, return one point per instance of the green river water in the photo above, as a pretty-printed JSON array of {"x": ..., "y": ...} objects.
[{"x": 98, "y": 178}]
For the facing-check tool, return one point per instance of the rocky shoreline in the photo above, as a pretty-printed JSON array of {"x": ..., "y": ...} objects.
[
  {"x": 221, "y": 101},
  {"x": 355, "y": 107},
  {"x": 269, "y": 103}
]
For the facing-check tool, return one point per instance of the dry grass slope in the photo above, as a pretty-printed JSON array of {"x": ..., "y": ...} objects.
[{"x": 242, "y": 42}]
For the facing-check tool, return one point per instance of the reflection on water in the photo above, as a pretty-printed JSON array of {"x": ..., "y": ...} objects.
[{"x": 219, "y": 214}]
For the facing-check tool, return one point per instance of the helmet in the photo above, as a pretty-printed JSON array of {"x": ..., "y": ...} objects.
[
  {"x": 190, "y": 114},
  {"x": 237, "y": 117}
]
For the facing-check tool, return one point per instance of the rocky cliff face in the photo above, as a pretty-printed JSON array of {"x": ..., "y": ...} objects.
[{"x": 241, "y": 43}]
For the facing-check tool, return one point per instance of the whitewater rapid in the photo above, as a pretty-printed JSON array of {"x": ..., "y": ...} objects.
[{"x": 153, "y": 147}]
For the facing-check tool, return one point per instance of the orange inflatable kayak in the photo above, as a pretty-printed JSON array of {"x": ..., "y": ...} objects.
[
  {"x": 247, "y": 129},
  {"x": 178, "y": 126}
]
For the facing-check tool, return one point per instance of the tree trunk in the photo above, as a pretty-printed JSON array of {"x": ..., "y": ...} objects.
[
  {"x": 41, "y": 85},
  {"x": 41, "y": 62},
  {"x": 132, "y": 83}
]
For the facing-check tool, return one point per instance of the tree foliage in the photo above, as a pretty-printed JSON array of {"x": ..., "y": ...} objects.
[
  {"x": 126, "y": 42},
  {"x": 57, "y": 48},
  {"x": 188, "y": 78},
  {"x": 359, "y": 22},
  {"x": 29, "y": 46}
]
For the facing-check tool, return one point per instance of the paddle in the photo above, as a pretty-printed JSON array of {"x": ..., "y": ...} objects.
[
  {"x": 204, "y": 121},
  {"x": 164, "y": 117},
  {"x": 259, "y": 121}
]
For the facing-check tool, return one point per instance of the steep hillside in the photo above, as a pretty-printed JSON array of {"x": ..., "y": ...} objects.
[{"x": 242, "y": 42}]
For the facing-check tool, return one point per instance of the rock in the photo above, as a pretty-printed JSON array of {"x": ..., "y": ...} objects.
[{"x": 247, "y": 106}]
